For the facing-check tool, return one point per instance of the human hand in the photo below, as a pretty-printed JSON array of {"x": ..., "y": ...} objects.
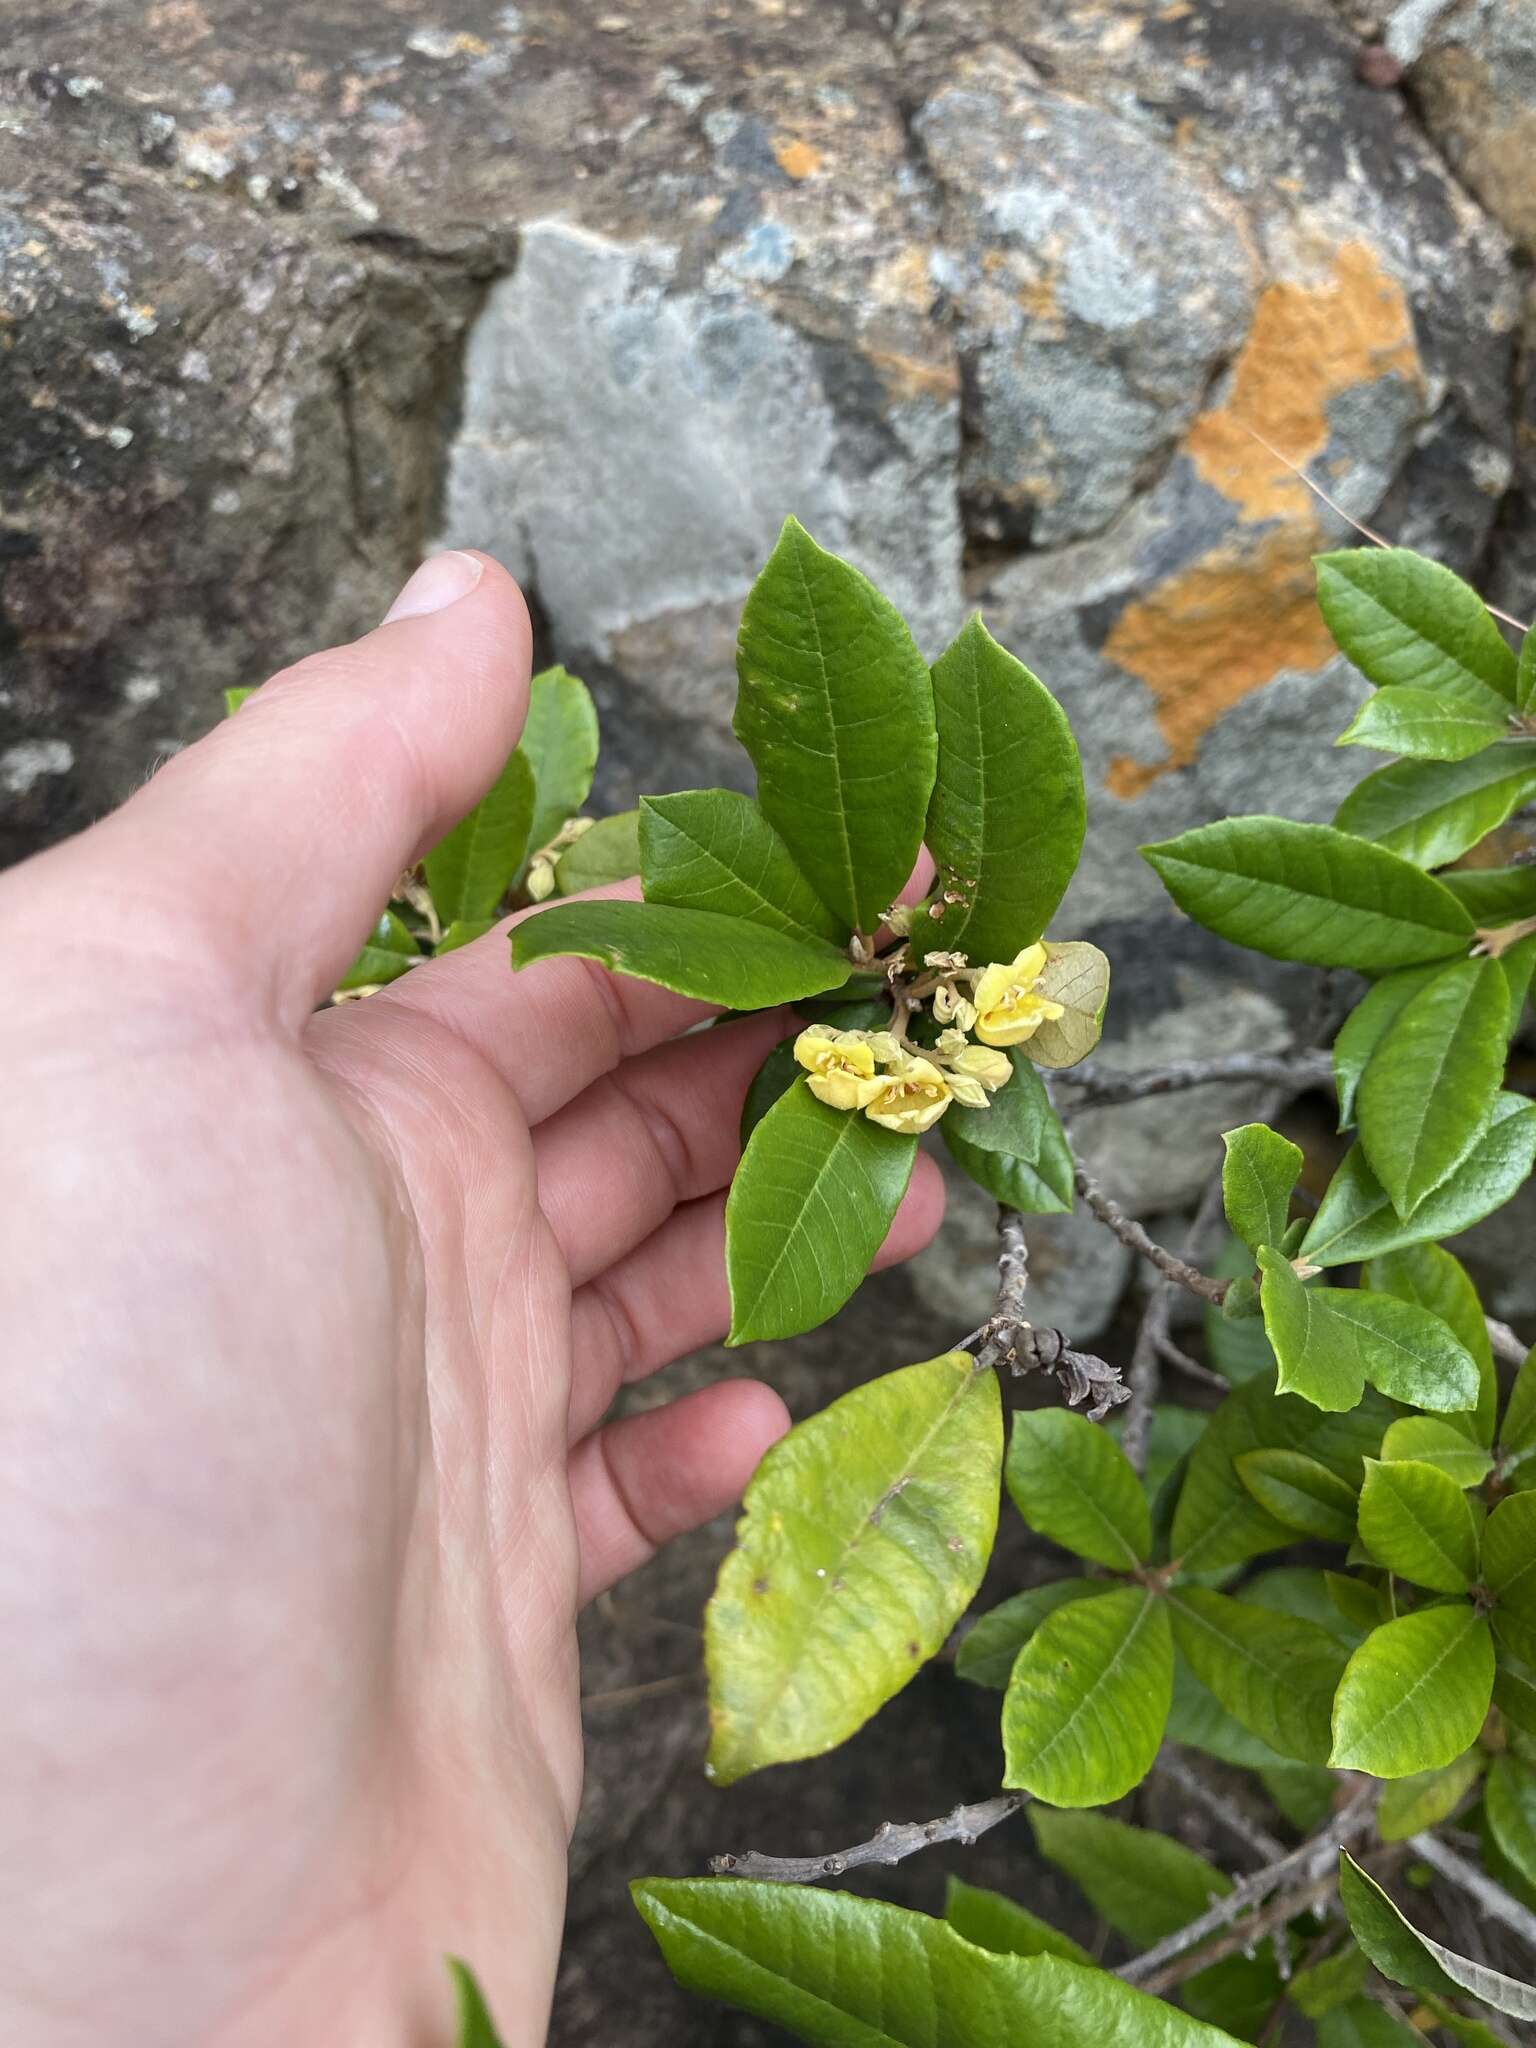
[{"x": 308, "y": 1324}]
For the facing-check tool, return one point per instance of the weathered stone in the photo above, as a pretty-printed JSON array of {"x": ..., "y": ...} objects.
[{"x": 1474, "y": 78}]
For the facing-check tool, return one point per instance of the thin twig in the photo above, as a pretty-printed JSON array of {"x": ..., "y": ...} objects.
[
  {"x": 1222, "y": 1809},
  {"x": 891, "y": 1841},
  {"x": 1104, "y": 1088},
  {"x": 1299, "y": 1866},
  {"x": 1245, "y": 1936},
  {"x": 1491, "y": 1898},
  {"x": 1154, "y": 1339},
  {"x": 1176, "y": 1356},
  {"x": 649, "y": 1689},
  {"x": 1506, "y": 1344},
  {"x": 1130, "y": 1232},
  {"x": 1008, "y": 1338}
]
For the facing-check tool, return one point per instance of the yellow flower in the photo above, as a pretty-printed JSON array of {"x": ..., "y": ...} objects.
[
  {"x": 951, "y": 1007},
  {"x": 982, "y": 1063},
  {"x": 968, "y": 1091},
  {"x": 841, "y": 1065},
  {"x": 911, "y": 1097},
  {"x": 1007, "y": 1009}
]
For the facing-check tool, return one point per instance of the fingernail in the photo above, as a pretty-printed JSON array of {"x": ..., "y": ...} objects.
[{"x": 438, "y": 583}]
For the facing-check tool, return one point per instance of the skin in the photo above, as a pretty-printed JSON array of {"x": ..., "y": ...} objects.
[{"x": 308, "y": 1326}]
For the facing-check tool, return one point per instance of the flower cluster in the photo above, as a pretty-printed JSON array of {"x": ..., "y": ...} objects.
[{"x": 908, "y": 1088}]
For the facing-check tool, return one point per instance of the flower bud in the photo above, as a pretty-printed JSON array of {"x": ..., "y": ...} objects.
[{"x": 541, "y": 879}]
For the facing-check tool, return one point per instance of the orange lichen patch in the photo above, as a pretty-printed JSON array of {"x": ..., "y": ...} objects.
[
  {"x": 906, "y": 278},
  {"x": 796, "y": 159},
  {"x": 1230, "y": 623},
  {"x": 907, "y": 377}
]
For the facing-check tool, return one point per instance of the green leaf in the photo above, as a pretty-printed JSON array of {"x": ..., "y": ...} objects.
[
  {"x": 990, "y": 1921},
  {"x": 1088, "y": 1699},
  {"x": 1517, "y": 1432},
  {"x": 1401, "y": 1952},
  {"x": 863, "y": 1538},
  {"x": 1331, "y": 1340},
  {"x": 1514, "y": 1693},
  {"x": 608, "y": 851},
  {"x": 387, "y": 955},
  {"x": 1509, "y": 1556},
  {"x": 1493, "y": 896},
  {"x": 1301, "y": 1493},
  {"x": 464, "y": 932},
  {"x": 1218, "y": 1522},
  {"x": 1072, "y": 1482},
  {"x": 1404, "y": 620},
  {"x": 1415, "y": 1693},
  {"x": 1509, "y": 1800},
  {"x": 712, "y": 849},
  {"x": 809, "y": 1207},
  {"x": 1426, "y": 1096},
  {"x": 1015, "y": 1148},
  {"x": 835, "y": 708},
  {"x": 1525, "y": 673},
  {"x": 1147, "y": 1885},
  {"x": 775, "y": 1077},
  {"x": 1322, "y": 1987},
  {"x": 847, "y": 1972},
  {"x": 1274, "y": 1673},
  {"x": 1005, "y": 821},
  {"x": 1198, "y": 1720},
  {"x": 560, "y": 742},
  {"x": 1310, "y": 893},
  {"x": 1432, "y": 1277},
  {"x": 1409, "y": 1805},
  {"x": 476, "y": 2029},
  {"x": 1357, "y": 1601},
  {"x": 1076, "y": 975},
  {"x": 1426, "y": 1440},
  {"x": 990, "y": 1646},
  {"x": 1356, "y": 1220},
  {"x": 471, "y": 870},
  {"x": 236, "y": 696},
  {"x": 718, "y": 959},
  {"x": 1367, "y": 1024},
  {"x": 1237, "y": 1348},
  {"x": 1425, "y": 727},
  {"x": 1362, "y": 2023},
  {"x": 1432, "y": 812},
  {"x": 1301, "y": 1591},
  {"x": 1257, "y": 1176},
  {"x": 1415, "y": 1521}
]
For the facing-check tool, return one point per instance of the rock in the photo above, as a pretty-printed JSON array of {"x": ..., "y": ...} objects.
[{"x": 1473, "y": 77}]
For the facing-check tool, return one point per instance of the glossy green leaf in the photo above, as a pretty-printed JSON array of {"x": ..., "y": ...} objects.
[
  {"x": 712, "y": 849},
  {"x": 1415, "y": 1693},
  {"x": 1301, "y": 1493},
  {"x": 1174, "y": 1433},
  {"x": 1198, "y": 1720},
  {"x": 1331, "y": 1340},
  {"x": 236, "y": 695},
  {"x": 1362, "y": 2023},
  {"x": 1514, "y": 1692},
  {"x": 1356, "y": 1220},
  {"x": 835, "y": 708},
  {"x": 775, "y": 1077},
  {"x": 560, "y": 743},
  {"x": 1237, "y": 1348},
  {"x": 1257, "y": 1177},
  {"x": 1088, "y": 1699},
  {"x": 1428, "y": 1091},
  {"x": 1072, "y": 1482},
  {"x": 1432, "y": 812},
  {"x": 991, "y": 1645},
  {"x": 845, "y": 1972},
  {"x": 1415, "y": 1521},
  {"x": 1005, "y": 821},
  {"x": 809, "y": 1207},
  {"x": 1509, "y": 1801},
  {"x": 718, "y": 959},
  {"x": 464, "y": 932},
  {"x": 1430, "y": 1276},
  {"x": 1425, "y": 727},
  {"x": 1076, "y": 975},
  {"x": 1409, "y": 1805},
  {"x": 1401, "y": 1952},
  {"x": 1494, "y": 896},
  {"x": 1517, "y": 1432},
  {"x": 1218, "y": 1522},
  {"x": 472, "y": 869},
  {"x": 863, "y": 1538},
  {"x": 1427, "y": 1440},
  {"x": 1310, "y": 893},
  {"x": 1303, "y": 1591},
  {"x": 1367, "y": 1024},
  {"x": 389, "y": 952},
  {"x": 608, "y": 851},
  {"x": 1509, "y": 1556},
  {"x": 990, "y": 1921},
  {"x": 1405, "y": 620},
  {"x": 1274, "y": 1673},
  {"x": 1015, "y": 1148},
  {"x": 476, "y": 2028},
  {"x": 1358, "y": 1602}
]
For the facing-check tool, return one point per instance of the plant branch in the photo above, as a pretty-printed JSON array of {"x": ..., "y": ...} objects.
[
  {"x": 1103, "y": 1088},
  {"x": 1491, "y": 1898},
  {"x": 1244, "y": 1935},
  {"x": 1130, "y": 1232},
  {"x": 1008, "y": 1338},
  {"x": 1506, "y": 1344},
  {"x": 1222, "y": 1809},
  {"x": 891, "y": 1841},
  {"x": 1299, "y": 1867}
]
